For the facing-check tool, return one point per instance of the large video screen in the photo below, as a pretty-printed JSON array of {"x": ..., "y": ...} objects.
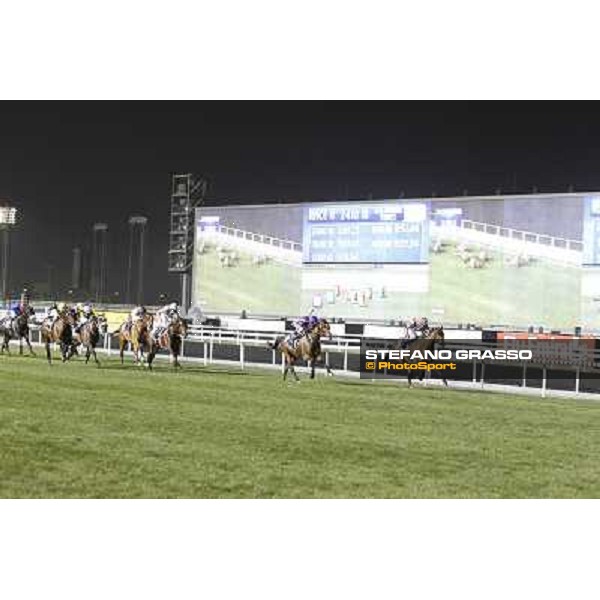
[{"x": 506, "y": 261}]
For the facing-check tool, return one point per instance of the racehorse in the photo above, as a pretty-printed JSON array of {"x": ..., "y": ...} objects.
[
  {"x": 427, "y": 342},
  {"x": 136, "y": 334},
  {"x": 171, "y": 339},
  {"x": 60, "y": 332},
  {"x": 307, "y": 348},
  {"x": 89, "y": 336},
  {"x": 18, "y": 329}
]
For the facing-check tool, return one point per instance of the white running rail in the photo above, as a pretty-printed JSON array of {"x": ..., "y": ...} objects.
[
  {"x": 514, "y": 241},
  {"x": 255, "y": 243}
]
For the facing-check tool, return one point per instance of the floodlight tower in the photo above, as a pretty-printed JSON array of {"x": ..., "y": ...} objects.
[
  {"x": 99, "y": 253},
  {"x": 187, "y": 193},
  {"x": 137, "y": 230},
  {"x": 8, "y": 217}
]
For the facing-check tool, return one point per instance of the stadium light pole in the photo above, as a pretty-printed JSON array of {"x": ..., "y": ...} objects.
[
  {"x": 137, "y": 227},
  {"x": 8, "y": 217}
]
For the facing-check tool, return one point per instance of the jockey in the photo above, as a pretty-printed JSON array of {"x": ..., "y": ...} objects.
[
  {"x": 415, "y": 328},
  {"x": 53, "y": 314},
  {"x": 84, "y": 313},
  {"x": 137, "y": 314},
  {"x": 165, "y": 316},
  {"x": 303, "y": 326},
  {"x": 13, "y": 312}
]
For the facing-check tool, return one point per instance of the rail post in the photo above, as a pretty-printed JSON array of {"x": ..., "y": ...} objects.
[
  {"x": 524, "y": 381},
  {"x": 482, "y": 373},
  {"x": 544, "y": 382},
  {"x": 474, "y": 371},
  {"x": 577, "y": 379},
  {"x": 346, "y": 356},
  {"x": 242, "y": 355},
  {"x": 205, "y": 353}
]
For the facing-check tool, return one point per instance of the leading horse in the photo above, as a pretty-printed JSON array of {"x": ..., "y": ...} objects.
[
  {"x": 19, "y": 330},
  {"x": 307, "y": 348},
  {"x": 427, "y": 342}
]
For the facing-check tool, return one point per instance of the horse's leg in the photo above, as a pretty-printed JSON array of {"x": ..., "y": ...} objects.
[
  {"x": 87, "y": 354},
  {"x": 312, "y": 368},
  {"x": 326, "y": 366},
  {"x": 288, "y": 365},
  {"x": 20, "y": 346},
  {"x": 293, "y": 369},
  {"x": 95, "y": 357},
  {"x": 31, "y": 352},
  {"x": 48, "y": 354},
  {"x": 121, "y": 347}
]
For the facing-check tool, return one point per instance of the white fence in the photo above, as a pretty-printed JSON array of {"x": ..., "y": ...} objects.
[
  {"x": 255, "y": 243},
  {"x": 515, "y": 241},
  {"x": 202, "y": 344}
]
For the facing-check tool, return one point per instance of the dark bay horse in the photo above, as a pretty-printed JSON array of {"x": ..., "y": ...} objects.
[
  {"x": 171, "y": 340},
  {"x": 307, "y": 348},
  {"x": 19, "y": 330},
  {"x": 427, "y": 342},
  {"x": 89, "y": 336},
  {"x": 60, "y": 332}
]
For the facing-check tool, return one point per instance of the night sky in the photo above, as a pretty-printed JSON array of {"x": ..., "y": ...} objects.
[{"x": 67, "y": 165}]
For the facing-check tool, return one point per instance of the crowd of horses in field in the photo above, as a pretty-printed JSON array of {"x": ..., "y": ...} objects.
[
  {"x": 73, "y": 339},
  {"x": 70, "y": 338},
  {"x": 476, "y": 257}
]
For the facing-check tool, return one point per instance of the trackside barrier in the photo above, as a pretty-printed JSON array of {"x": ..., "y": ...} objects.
[{"x": 247, "y": 348}]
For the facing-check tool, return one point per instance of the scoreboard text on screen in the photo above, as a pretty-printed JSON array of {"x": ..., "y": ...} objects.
[{"x": 391, "y": 232}]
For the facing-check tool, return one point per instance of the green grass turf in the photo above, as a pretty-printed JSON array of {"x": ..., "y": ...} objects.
[
  {"x": 271, "y": 288},
  {"x": 117, "y": 432}
]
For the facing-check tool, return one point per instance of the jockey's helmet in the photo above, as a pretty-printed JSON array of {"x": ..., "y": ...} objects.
[
  {"x": 313, "y": 320},
  {"x": 173, "y": 306}
]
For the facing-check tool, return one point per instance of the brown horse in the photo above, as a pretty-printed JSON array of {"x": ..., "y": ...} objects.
[
  {"x": 60, "y": 332},
  {"x": 307, "y": 348},
  {"x": 427, "y": 342},
  {"x": 172, "y": 340},
  {"x": 137, "y": 335},
  {"x": 89, "y": 336}
]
